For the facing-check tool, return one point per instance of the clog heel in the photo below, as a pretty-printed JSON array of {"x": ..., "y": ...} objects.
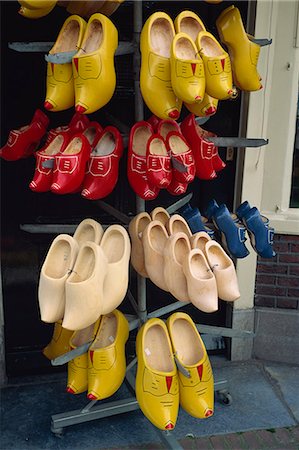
[
  {"x": 93, "y": 65},
  {"x": 106, "y": 356},
  {"x": 187, "y": 69},
  {"x": 77, "y": 375},
  {"x": 218, "y": 72},
  {"x": 157, "y": 389},
  {"x": 60, "y": 342},
  {"x": 244, "y": 53},
  {"x": 196, "y": 381},
  {"x": 155, "y": 77},
  {"x": 60, "y": 82}
]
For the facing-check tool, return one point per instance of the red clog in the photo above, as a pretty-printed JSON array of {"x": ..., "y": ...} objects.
[
  {"x": 102, "y": 173},
  {"x": 177, "y": 188},
  {"x": 158, "y": 162},
  {"x": 136, "y": 169},
  {"x": 93, "y": 132},
  {"x": 43, "y": 175},
  {"x": 77, "y": 124},
  {"x": 24, "y": 141},
  {"x": 181, "y": 157},
  {"x": 202, "y": 149},
  {"x": 217, "y": 162},
  {"x": 166, "y": 126},
  {"x": 70, "y": 166}
]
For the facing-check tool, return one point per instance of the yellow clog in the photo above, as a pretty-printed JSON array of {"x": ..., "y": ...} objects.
[
  {"x": 196, "y": 382},
  {"x": 35, "y": 13},
  {"x": 188, "y": 22},
  {"x": 106, "y": 356},
  {"x": 157, "y": 389},
  {"x": 60, "y": 342},
  {"x": 38, "y": 4},
  {"x": 218, "y": 73},
  {"x": 187, "y": 69},
  {"x": 155, "y": 78},
  {"x": 93, "y": 65},
  {"x": 207, "y": 107},
  {"x": 244, "y": 54},
  {"x": 77, "y": 378},
  {"x": 60, "y": 83}
]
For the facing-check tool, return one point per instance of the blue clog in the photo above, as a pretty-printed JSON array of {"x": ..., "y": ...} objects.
[
  {"x": 260, "y": 233},
  {"x": 231, "y": 229},
  {"x": 195, "y": 220}
]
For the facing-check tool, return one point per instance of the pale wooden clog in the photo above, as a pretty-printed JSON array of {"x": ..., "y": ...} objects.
[
  {"x": 199, "y": 240},
  {"x": 201, "y": 282},
  {"x": 160, "y": 214},
  {"x": 176, "y": 250},
  {"x": 88, "y": 230},
  {"x": 136, "y": 228},
  {"x": 177, "y": 224},
  {"x": 55, "y": 271},
  {"x": 224, "y": 271},
  {"x": 154, "y": 239}
]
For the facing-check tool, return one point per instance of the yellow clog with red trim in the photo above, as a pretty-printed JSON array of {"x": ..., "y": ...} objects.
[
  {"x": 218, "y": 72},
  {"x": 188, "y": 22},
  {"x": 60, "y": 83},
  {"x": 77, "y": 375},
  {"x": 207, "y": 107},
  {"x": 187, "y": 69},
  {"x": 93, "y": 65},
  {"x": 157, "y": 389},
  {"x": 106, "y": 356},
  {"x": 35, "y": 13},
  {"x": 155, "y": 76},
  {"x": 196, "y": 381},
  {"x": 244, "y": 53},
  {"x": 60, "y": 342}
]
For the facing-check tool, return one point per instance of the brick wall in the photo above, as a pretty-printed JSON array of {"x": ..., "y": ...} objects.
[{"x": 277, "y": 279}]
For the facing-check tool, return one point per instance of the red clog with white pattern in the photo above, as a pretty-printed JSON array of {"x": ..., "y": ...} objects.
[
  {"x": 102, "y": 172},
  {"x": 77, "y": 124},
  {"x": 202, "y": 149},
  {"x": 24, "y": 141},
  {"x": 176, "y": 187},
  {"x": 217, "y": 162},
  {"x": 181, "y": 157},
  {"x": 158, "y": 163},
  {"x": 70, "y": 166},
  {"x": 136, "y": 169},
  {"x": 166, "y": 126},
  {"x": 45, "y": 158}
]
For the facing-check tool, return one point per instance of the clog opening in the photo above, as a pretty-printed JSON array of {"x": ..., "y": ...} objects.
[
  {"x": 184, "y": 49},
  {"x": 218, "y": 258},
  {"x": 107, "y": 332},
  {"x": 199, "y": 267},
  {"x": 157, "y": 351},
  {"x": 141, "y": 136},
  {"x": 68, "y": 39},
  {"x": 114, "y": 246},
  {"x": 210, "y": 47},
  {"x": 54, "y": 147},
  {"x": 157, "y": 147},
  {"x": 85, "y": 233},
  {"x": 105, "y": 146},
  {"x": 177, "y": 145},
  {"x": 161, "y": 215},
  {"x": 90, "y": 134},
  {"x": 82, "y": 336},
  {"x": 142, "y": 224},
  {"x": 93, "y": 38},
  {"x": 158, "y": 238},
  {"x": 178, "y": 225},
  {"x": 85, "y": 265},
  {"x": 185, "y": 340},
  {"x": 200, "y": 242},
  {"x": 59, "y": 260},
  {"x": 181, "y": 249},
  {"x": 191, "y": 26},
  {"x": 161, "y": 36},
  {"x": 74, "y": 147}
]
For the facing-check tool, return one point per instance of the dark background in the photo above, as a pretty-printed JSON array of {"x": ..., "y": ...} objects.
[{"x": 23, "y": 78}]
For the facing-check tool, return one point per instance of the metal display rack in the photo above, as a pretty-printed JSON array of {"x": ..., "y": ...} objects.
[{"x": 94, "y": 410}]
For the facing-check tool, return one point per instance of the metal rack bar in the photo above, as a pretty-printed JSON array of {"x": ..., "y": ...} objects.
[{"x": 124, "y": 48}]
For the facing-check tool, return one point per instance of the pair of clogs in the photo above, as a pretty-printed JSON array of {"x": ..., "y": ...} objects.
[
  {"x": 80, "y": 67},
  {"x": 173, "y": 369},
  {"x": 35, "y": 9},
  {"x": 78, "y": 277},
  {"x": 22, "y": 142},
  {"x": 232, "y": 228},
  {"x": 73, "y": 161},
  {"x": 159, "y": 158},
  {"x": 181, "y": 67}
]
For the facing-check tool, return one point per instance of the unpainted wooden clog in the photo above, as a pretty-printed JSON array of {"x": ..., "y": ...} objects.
[
  {"x": 160, "y": 214},
  {"x": 136, "y": 228},
  {"x": 199, "y": 240},
  {"x": 177, "y": 223},
  {"x": 88, "y": 230}
]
